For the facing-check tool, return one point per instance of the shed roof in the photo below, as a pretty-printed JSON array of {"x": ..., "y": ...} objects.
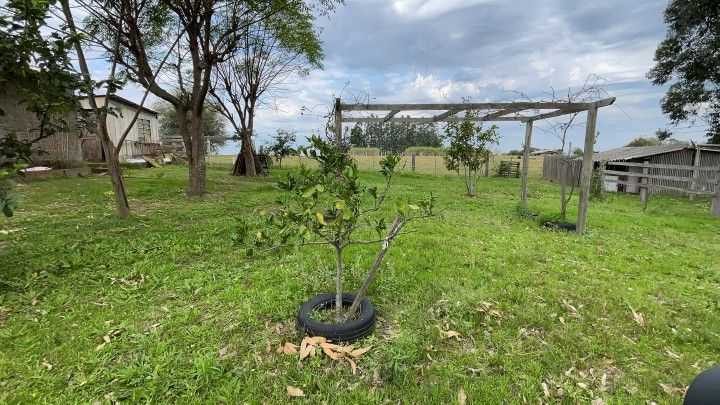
[
  {"x": 634, "y": 152},
  {"x": 120, "y": 100}
]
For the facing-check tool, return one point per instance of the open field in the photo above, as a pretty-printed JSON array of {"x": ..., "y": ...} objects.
[
  {"x": 628, "y": 313},
  {"x": 423, "y": 164}
]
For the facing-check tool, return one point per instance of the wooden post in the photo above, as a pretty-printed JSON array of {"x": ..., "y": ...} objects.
[
  {"x": 413, "y": 162},
  {"x": 715, "y": 206},
  {"x": 338, "y": 123},
  {"x": 587, "y": 168},
  {"x": 487, "y": 164},
  {"x": 644, "y": 182},
  {"x": 526, "y": 163},
  {"x": 695, "y": 173}
]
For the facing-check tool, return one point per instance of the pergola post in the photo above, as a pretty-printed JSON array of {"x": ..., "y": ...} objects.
[
  {"x": 338, "y": 123},
  {"x": 587, "y": 168},
  {"x": 526, "y": 163}
]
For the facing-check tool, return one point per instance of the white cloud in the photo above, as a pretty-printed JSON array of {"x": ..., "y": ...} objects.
[{"x": 420, "y": 9}]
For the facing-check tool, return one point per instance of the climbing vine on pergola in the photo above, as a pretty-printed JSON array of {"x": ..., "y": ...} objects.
[{"x": 527, "y": 112}]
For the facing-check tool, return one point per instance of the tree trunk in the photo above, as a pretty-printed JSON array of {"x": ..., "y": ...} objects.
[
  {"x": 338, "y": 283},
  {"x": 196, "y": 159},
  {"x": 392, "y": 233},
  {"x": 116, "y": 177},
  {"x": 249, "y": 154}
]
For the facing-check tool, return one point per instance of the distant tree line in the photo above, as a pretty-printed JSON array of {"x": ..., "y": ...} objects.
[{"x": 394, "y": 136}]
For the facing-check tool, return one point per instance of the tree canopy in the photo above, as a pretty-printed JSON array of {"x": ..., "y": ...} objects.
[
  {"x": 689, "y": 60},
  {"x": 394, "y": 136}
]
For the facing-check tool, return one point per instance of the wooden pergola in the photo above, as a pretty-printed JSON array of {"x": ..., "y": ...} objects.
[{"x": 527, "y": 112}]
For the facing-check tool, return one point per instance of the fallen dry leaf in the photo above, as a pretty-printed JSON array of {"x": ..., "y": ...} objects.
[
  {"x": 452, "y": 334},
  {"x": 570, "y": 307},
  {"x": 268, "y": 347},
  {"x": 359, "y": 352},
  {"x": 106, "y": 338},
  {"x": 332, "y": 354},
  {"x": 462, "y": 396},
  {"x": 47, "y": 365},
  {"x": 672, "y": 354},
  {"x": 34, "y": 301},
  {"x": 353, "y": 366},
  {"x": 546, "y": 390},
  {"x": 289, "y": 348},
  {"x": 100, "y": 346},
  {"x": 294, "y": 392},
  {"x": 638, "y": 317},
  {"x": 667, "y": 388},
  {"x": 562, "y": 320},
  {"x": 597, "y": 401}
]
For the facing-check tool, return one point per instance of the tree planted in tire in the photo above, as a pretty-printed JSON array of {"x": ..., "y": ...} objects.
[{"x": 329, "y": 206}]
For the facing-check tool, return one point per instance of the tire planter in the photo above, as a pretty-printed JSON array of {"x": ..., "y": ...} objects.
[{"x": 345, "y": 332}]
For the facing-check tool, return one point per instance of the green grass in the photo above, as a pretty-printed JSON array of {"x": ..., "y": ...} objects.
[{"x": 173, "y": 290}]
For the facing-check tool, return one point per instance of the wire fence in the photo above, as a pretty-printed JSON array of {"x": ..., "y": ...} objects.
[{"x": 420, "y": 163}]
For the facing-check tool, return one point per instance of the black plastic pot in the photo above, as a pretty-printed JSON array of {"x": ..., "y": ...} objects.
[{"x": 345, "y": 332}]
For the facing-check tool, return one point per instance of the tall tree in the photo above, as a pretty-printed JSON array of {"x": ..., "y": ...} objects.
[
  {"x": 269, "y": 53},
  {"x": 210, "y": 32},
  {"x": 100, "y": 112},
  {"x": 688, "y": 58}
]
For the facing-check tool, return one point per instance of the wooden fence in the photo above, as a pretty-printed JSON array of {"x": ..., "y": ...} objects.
[
  {"x": 563, "y": 170},
  {"x": 677, "y": 179},
  {"x": 641, "y": 178}
]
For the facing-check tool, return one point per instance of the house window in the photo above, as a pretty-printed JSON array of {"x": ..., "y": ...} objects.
[{"x": 143, "y": 130}]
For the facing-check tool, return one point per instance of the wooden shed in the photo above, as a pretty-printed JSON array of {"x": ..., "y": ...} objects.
[
  {"x": 685, "y": 155},
  {"x": 63, "y": 147}
]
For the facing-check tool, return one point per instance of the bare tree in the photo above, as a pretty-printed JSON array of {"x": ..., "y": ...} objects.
[
  {"x": 592, "y": 89},
  {"x": 269, "y": 53}
]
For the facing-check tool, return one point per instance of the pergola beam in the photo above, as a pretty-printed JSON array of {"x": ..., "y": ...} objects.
[
  {"x": 390, "y": 115},
  {"x": 429, "y": 119},
  {"x": 524, "y": 105},
  {"x": 446, "y": 114},
  {"x": 498, "y": 114}
]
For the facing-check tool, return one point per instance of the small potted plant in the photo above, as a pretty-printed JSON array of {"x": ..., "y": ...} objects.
[{"x": 329, "y": 206}]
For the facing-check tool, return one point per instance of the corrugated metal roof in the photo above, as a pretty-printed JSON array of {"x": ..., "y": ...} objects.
[{"x": 634, "y": 152}]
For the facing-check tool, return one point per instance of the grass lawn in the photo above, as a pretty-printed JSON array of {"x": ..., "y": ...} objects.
[{"x": 542, "y": 315}]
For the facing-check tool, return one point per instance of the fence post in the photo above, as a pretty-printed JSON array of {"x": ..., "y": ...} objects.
[
  {"x": 413, "y": 162},
  {"x": 715, "y": 206},
  {"x": 644, "y": 180},
  {"x": 695, "y": 173}
]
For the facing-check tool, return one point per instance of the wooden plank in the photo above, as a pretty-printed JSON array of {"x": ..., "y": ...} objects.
[
  {"x": 498, "y": 114},
  {"x": 555, "y": 113},
  {"x": 390, "y": 115},
  {"x": 662, "y": 177},
  {"x": 586, "y": 170},
  {"x": 715, "y": 205},
  {"x": 525, "y": 105},
  {"x": 444, "y": 115},
  {"x": 644, "y": 181},
  {"x": 150, "y": 160},
  {"x": 526, "y": 163},
  {"x": 695, "y": 173},
  {"x": 658, "y": 186},
  {"x": 663, "y": 166},
  {"x": 429, "y": 119}
]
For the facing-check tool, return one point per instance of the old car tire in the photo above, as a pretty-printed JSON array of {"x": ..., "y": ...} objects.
[{"x": 346, "y": 332}]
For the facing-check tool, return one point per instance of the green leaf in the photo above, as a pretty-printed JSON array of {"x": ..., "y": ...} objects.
[
  {"x": 339, "y": 204},
  {"x": 309, "y": 192},
  {"x": 413, "y": 207},
  {"x": 320, "y": 217}
]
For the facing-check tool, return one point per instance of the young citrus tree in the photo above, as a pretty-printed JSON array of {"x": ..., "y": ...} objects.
[
  {"x": 328, "y": 206},
  {"x": 468, "y": 148}
]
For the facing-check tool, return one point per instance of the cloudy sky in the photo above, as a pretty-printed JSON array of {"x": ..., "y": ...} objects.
[{"x": 405, "y": 51}]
